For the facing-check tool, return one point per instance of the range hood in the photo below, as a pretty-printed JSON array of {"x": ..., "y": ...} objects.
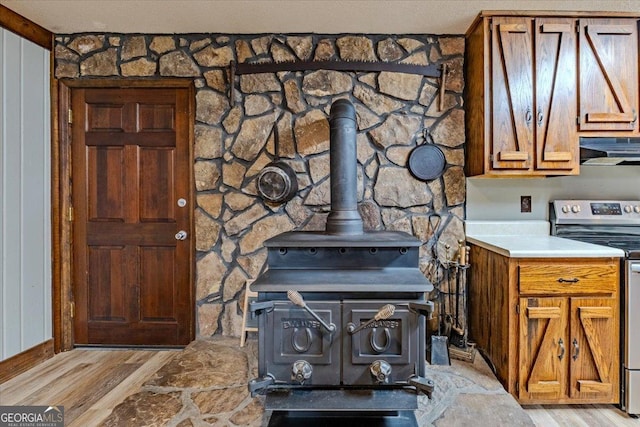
[{"x": 610, "y": 151}]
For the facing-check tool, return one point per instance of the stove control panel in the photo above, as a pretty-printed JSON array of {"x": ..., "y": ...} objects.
[{"x": 596, "y": 211}]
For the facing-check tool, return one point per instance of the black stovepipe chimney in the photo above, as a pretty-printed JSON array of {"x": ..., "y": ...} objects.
[{"x": 344, "y": 217}]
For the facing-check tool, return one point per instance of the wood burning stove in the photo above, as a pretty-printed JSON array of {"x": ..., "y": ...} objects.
[{"x": 342, "y": 312}]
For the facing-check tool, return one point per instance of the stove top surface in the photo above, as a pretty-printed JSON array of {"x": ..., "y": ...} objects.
[{"x": 630, "y": 247}]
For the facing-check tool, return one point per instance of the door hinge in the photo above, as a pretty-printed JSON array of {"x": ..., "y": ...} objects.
[
  {"x": 577, "y": 120},
  {"x": 72, "y": 309},
  {"x": 70, "y": 117},
  {"x": 70, "y": 214},
  {"x": 517, "y": 386},
  {"x": 517, "y": 308}
]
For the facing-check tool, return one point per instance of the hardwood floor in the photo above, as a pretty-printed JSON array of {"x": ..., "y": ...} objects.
[
  {"x": 91, "y": 382},
  {"x": 88, "y": 383},
  {"x": 579, "y": 416}
]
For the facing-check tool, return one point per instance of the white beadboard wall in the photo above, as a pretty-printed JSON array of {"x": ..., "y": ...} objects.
[
  {"x": 25, "y": 183},
  {"x": 499, "y": 198}
]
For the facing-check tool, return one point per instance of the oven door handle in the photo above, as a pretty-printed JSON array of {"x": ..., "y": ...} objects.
[{"x": 635, "y": 268}]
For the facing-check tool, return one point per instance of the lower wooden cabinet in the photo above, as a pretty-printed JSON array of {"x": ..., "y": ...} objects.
[{"x": 548, "y": 327}]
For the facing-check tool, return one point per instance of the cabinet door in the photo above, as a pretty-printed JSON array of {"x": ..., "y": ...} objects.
[
  {"x": 512, "y": 93},
  {"x": 594, "y": 349},
  {"x": 543, "y": 348},
  {"x": 556, "y": 62},
  {"x": 608, "y": 74}
]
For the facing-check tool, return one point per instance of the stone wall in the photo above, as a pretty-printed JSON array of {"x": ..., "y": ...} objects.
[{"x": 234, "y": 140}]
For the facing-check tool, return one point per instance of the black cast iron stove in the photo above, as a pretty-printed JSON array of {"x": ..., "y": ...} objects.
[{"x": 342, "y": 313}]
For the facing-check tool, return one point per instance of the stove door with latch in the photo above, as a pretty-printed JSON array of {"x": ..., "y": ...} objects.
[
  {"x": 298, "y": 349},
  {"x": 384, "y": 351}
]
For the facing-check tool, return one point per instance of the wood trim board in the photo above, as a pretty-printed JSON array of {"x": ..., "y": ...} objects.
[
  {"x": 24, "y": 361},
  {"x": 25, "y": 28}
]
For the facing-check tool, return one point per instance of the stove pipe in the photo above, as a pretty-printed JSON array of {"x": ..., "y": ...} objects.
[{"x": 344, "y": 217}]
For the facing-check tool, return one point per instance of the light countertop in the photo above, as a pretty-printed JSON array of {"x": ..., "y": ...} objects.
[{"x": 531, "y": 239}]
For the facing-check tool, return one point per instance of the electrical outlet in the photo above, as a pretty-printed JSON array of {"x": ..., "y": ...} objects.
[{"x": 525, "y": 203}]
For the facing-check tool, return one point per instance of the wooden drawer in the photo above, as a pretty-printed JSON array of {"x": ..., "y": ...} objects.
[{"x": 551, "y": 277}]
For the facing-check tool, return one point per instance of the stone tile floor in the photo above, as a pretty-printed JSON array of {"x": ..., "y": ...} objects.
[{"x": 206, "y": 385}]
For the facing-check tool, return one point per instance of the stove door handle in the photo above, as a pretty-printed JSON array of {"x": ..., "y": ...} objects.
[
  {"x": 574, "y": 280},
  {"x": 296, "y": 298},
  {"x": 383, "y": 313}
]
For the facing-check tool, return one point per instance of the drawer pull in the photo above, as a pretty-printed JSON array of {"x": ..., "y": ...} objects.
[{"x": 574, "y": 280}]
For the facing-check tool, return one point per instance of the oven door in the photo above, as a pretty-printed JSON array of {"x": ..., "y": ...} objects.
[{"x": 631, "y": 340}]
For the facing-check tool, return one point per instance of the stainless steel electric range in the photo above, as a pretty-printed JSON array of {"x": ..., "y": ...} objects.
[{"x": 613, "y": 223}]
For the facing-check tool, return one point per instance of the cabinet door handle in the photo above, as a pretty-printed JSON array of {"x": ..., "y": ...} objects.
[
  {"x": 528, "y": 116},
  {"x": 540, "y": 116},
  {"x": 574, "y": 280},
  {"x": 576, "y": 349},
  {"x": 561, "y": 344}
]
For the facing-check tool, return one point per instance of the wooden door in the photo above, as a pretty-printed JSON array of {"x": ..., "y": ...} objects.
[
  {"x": 132, "y": 278},
  {"x": 608, "y": 74},
  {"x": 556, "y": 140},
  {"x": 543, "y": 348},
  {"x": 512, "y": 93},
  {"x": 594, "y": 349}
]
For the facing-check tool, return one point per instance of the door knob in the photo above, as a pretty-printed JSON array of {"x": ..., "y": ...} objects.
[{"x": 181, "y": 235}]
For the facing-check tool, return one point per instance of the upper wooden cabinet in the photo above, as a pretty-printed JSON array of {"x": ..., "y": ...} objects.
[
  {"x": 523, "y": 82},
  {"x": 536, "y": 83},
  {"x": 608, "y": 75}
]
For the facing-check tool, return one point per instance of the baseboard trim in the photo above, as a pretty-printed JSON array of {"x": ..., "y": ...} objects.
[{"x": 21, "y": 362}]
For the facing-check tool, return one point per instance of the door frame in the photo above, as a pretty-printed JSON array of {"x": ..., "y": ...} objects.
[{"x": 63, "y": 307}]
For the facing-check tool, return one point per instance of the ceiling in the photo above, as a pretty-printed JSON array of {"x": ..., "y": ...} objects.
[{"x": 282, "y": 16}]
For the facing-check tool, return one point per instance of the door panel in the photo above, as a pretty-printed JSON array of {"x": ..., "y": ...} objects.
[
  {"x": 594, "y": 349},
  {"x": 543, "y": 348},
  {"x": 556, "y": 99},
  {"x": 131, "y": 163},
  {"x": 157, "y": 277},
  {"x": 512, "y": 93},
  {"x": 156, "y": 185},
  {"x": 608, "y": 74},
  {"x": 105, "y": 170},
  {"x": 108, "y": 297}
]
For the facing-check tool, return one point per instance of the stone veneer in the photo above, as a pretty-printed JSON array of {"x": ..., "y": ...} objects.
[{"x": 234, "y": 140}]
